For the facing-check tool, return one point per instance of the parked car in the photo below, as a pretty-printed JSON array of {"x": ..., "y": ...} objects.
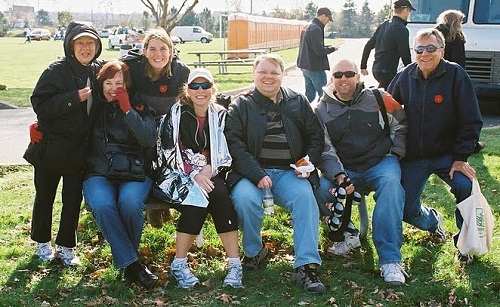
[
  {"x": 104, "y": 33},
  {"x": 191, "y": 34},
  {"x": 40, "y": 34},
  {"x": 122, "y": 36}
]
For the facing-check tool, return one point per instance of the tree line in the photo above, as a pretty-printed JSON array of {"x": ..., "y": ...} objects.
[{"x": 350, "y": 22}]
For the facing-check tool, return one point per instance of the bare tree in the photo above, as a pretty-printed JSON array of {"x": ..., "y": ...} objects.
[{"x": 163, "y": 15}]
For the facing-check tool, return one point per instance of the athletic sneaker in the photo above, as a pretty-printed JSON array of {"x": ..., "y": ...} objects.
[
  {"x": 183, "y": 274},
  {"x": 67, "y": 255},
  {"x": 253, "y": 263},
  {"x": 438, "y": 235},
  {"x": 234, "y": 276},
  {"x": 344, "y": 247},
  {"x": 463, "y": 259},
  {"x": 45, "y": 251},
  {"x": 307, "y": 277},
  {"x": 393, "y": 274}
]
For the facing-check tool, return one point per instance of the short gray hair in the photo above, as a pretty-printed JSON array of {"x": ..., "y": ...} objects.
[{"x": 428, "y": 32}]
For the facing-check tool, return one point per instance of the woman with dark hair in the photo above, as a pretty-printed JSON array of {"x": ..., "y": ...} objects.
[{"x": 116, "y": 185}]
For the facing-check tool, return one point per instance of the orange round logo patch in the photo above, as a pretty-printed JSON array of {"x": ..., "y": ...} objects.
[
  {"x": 438, "y": 98},
  {"x": 163, "y": 88}
]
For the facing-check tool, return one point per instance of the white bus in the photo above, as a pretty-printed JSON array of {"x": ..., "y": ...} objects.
[{"x": 482, "y": 29}]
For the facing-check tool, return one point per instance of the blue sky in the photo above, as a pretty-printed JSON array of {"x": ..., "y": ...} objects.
[{"x": 128, "y": 6}]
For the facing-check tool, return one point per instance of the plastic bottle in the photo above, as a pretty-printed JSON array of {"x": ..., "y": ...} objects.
[{"x": 268, "y": 201}]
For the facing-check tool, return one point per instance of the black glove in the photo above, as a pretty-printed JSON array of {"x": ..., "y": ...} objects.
[{"x": 331, "y": 49}]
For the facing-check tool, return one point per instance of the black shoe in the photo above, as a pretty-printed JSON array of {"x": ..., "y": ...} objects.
[
  {"x": 144, "y": 277},
  {"x": 463, "y": 259},
  {"x": 306, "y": 276},
  {"x": 479, "y": 146},
  {"x": 253, "y": 263}
]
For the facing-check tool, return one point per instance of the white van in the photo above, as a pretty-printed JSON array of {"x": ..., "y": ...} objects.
[{"x": 191, "y": 34}]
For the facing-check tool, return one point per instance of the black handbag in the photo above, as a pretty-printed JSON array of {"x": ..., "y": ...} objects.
[{"x": 125, "y": 162}]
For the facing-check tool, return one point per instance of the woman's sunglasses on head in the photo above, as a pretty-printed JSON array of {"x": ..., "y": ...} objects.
[
  {"x": 196, "y": 85},
  {"x": 429, "y": 48}
]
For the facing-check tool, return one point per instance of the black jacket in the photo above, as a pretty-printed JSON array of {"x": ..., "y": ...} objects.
[
  {"x": 246, "y": 128},
  {"x": 312, "y": 50},
  {"x": 390, "y": 41},
  {"x": 137, "y": 129},
  {"x": 62, "y": 118},
  {"x": 160, "y": 94},
  {"x": 454, "y": 50}
]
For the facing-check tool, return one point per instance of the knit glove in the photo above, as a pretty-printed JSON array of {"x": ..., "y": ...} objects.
[
  {"x": 122, "y": 97},
  {"x": 35, "y": 134}
]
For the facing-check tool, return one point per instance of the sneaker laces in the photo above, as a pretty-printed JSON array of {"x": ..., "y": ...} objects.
[
  {"x": 66, "y": 252},
  {"x": 393, "y": 268},
  {"x": 185, "y": 270},
  {"x": 44, "y": 248},
  {"x": 311, "y": 274}
]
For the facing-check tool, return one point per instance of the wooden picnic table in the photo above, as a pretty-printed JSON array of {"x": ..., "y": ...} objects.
[{"x": 239, "y": 57}]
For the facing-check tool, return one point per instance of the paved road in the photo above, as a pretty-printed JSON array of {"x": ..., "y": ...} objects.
[{"x": 14, "y": 135}]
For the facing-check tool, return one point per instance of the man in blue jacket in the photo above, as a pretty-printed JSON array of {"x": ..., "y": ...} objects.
[
  {"x": 444, "y": 123},
  {"x": 312, "y": 58}
]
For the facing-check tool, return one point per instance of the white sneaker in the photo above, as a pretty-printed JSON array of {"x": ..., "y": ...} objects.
[
  {"x": 45, "y": 251},
  {"x": 67, "y": 255},
  {"x": 393, "y": 274},
  {"x": 234, "y": 276},
  {"x": 344, "y": 247},
  {"x": 183, "y": 275}
]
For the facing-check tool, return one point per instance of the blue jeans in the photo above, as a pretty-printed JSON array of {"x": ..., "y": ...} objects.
[
  {"x": 118, "y": 208},
  {"x": 314, "y": 82},
  {"x": 414, "y": 177},
  {"x": 293, "y": 194},
  {"x": 387, "y": 220}
]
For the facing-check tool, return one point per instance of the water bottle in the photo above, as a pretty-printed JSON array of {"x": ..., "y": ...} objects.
[{"x": 268, "y": 201}]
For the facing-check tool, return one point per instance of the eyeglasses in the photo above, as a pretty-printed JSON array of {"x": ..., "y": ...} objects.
[
  {"x": 429, "y": 48},
  {"x": 347, "y": 74},
  {"x": 204, "y": 85}
]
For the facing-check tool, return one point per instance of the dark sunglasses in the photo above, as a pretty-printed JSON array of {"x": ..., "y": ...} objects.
[
  {"x": 347, "y": 74},
  {"x": 203, "y": 85},
  {"x": 429, "y": 48}
]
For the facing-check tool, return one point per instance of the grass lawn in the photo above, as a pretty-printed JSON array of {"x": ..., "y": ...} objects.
[
  {"x": 436, "y": 280},
  {"x": 22, "y": 64}
]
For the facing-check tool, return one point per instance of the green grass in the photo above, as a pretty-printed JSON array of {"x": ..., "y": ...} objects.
[
  {"x": 436, "y": 280},
  {"x": 21, "y": 72}
]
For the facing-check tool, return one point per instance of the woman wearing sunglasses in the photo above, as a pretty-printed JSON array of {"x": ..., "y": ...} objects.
[
  {"x": 193, "y": 144},
  {"x": 444, "y": 123}
]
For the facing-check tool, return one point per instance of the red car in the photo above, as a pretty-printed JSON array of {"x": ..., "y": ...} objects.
[{"x": 40, "y": 34}]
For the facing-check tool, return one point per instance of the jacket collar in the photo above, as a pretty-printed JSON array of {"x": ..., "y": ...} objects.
[{"x": 440, "y": 70}]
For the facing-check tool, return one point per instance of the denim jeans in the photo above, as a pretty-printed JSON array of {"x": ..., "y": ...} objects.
[
  {"x": 118, "y": 208},
  {"x": 387, "y": 220},
  {"x": 414, "y": 177},
  {"x": 293, "y": 194},
  {"x": 314, "y": 82}
]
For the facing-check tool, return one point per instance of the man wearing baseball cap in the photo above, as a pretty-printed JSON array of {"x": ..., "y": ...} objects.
[
  {"x": 313, "y": 54},
  {"x": 391, "y": 42}
]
